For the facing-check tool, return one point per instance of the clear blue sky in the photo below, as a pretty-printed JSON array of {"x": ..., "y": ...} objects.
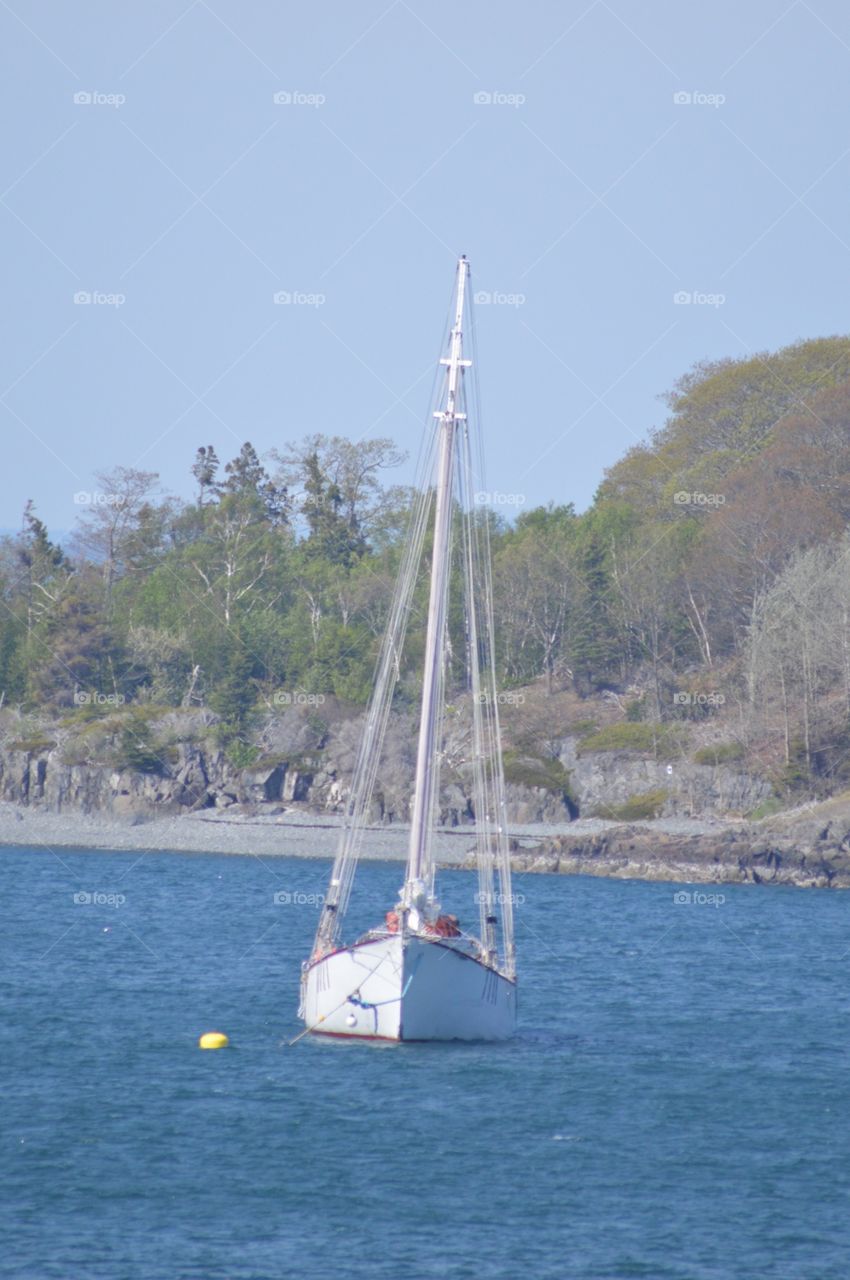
[{"x": 597, "y": 198}]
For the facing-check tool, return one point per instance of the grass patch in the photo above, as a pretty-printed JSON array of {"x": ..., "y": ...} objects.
[
  {"x": 540, "y": 774},
  {"x": 534, "y": 771},
  {"x": 133, "y": 719},
  {"x": 648, "y": 804},
  {"x": 242, "y": 755},
  {"x": 766, "y": 809},
  {"x": 32, "y": 746},
  {"x": 91, "y": 714},
  {"x": 660, "y": 740},
  {"x": 139, "y": 750},
  {"x": 721, "y": 753},
  {"x": 270, "y": 762}
]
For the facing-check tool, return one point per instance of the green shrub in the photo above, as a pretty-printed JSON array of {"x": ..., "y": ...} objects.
[
  {"x": 766, "y": 809},
  {"x": 661, "y": 740},
  {"x": 534, "y": 771},
  {"x": 93, "y": 714},
  {"x": 242, "y": 755},
  {"x": 138, "y": 750},
  {"x": 648, "y": 804},
  {"x": 32, "y": 746},
  {"x": 545, "y": 774}
]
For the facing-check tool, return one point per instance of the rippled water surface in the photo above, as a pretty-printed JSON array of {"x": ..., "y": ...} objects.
[{"x": 676, "y": 1102}]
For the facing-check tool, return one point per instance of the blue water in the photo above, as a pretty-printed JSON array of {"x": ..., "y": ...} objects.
[{"x": 676, "y": 1102}]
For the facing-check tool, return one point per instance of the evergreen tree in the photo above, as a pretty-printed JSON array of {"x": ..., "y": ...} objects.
[
  {"x": 205, "y": 470},
  {"x": 331, "y": 537},
  {"x": 248, "y": 479},
  {"x": 235, "y": 693},
  {"x": 595, "y": 652}
]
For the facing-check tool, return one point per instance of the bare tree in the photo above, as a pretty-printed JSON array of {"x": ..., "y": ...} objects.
[
  {"x": 352, "y": 467},
  {"x": 107, "y": 529}
]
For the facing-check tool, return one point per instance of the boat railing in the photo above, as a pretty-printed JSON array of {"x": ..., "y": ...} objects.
[{"x": 460, "y": 940}]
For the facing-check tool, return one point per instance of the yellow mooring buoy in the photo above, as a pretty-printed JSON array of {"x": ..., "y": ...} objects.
[{"x": 213, "y": 1040}]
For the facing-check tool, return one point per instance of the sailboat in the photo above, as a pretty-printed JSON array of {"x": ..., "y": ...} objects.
[{"x": 418, "y": 975}]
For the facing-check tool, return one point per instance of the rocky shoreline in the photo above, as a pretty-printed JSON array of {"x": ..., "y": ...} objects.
[
  {"x": 805, "y": 848},
  {"x": 298, "y": 834},
  {"x": 591, "y": 806}
]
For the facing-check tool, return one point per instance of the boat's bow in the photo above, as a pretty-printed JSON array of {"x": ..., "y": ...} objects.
[{"x": 391, "y": 986}]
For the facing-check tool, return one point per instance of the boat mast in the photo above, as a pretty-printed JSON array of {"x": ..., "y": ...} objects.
[{"x": 419, "y": 860}]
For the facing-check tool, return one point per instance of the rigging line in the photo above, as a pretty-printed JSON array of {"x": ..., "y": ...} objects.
[
  {"x": 492, "y": 716},
  {"x": 387, "y": 675},
  {"x": 485, "y": 739},
  {"x": 379, "y": 1004},
  {"x": 369, "y": 756}
]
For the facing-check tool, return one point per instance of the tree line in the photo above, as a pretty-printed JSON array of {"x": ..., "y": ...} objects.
[{"x": 713, "y": 558}]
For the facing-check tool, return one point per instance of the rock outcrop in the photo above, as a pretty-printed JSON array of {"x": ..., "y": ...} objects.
[
  {"x": 809, "y": 849},
  {"x": 200, "y": 779},
  {"x": 611, "y": 778}
]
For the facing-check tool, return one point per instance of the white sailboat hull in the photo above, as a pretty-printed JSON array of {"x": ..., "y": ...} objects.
[{"x": 411, "y": 988}]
